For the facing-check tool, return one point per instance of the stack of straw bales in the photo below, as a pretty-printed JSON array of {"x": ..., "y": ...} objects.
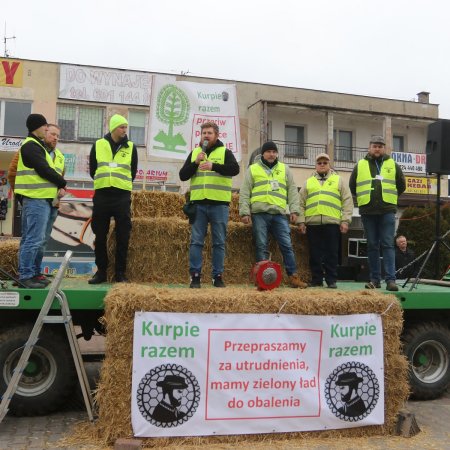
[
  {"x": 159, "y": 244},
  {"x": 113, "y": 396},
  {"x": 9, "y": 259}
]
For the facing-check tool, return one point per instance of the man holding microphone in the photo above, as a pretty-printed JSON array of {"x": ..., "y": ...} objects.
[{"x": 210, "y": 169}]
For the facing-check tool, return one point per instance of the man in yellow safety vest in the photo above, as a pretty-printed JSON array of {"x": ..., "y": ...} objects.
[
  {"x": 377, "y": 181},
  {"x": 326, "y": 208},
  {"x": 38, "y": 183},
  {"x": 268, "y": 189},
  {"x": 210, "y": 167},
  {"x": 113, "y": 165}
]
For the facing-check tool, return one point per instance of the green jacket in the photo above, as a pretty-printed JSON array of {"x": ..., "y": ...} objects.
[{"x": 246, "y": 209}]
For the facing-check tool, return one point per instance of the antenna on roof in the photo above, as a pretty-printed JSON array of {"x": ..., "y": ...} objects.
[{"x": 5, "y": 40}]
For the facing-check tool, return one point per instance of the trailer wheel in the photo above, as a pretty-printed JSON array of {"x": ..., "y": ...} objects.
[
  {"x": 49, "y": 377},
  {"x": 427, "y": 347}
]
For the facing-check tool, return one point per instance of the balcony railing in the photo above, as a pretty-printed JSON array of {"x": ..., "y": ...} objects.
[
  {"x": 298, "y": 154},
  {"x": 347, "y": 157},
  {"x": 304, "y": 155}
]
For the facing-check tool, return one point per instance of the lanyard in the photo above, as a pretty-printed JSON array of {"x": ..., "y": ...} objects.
[{"x": 379, "y": 166}]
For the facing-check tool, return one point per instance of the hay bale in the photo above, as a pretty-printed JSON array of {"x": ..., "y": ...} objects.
[
  {"x": 151, "y": 204},
  {"x": 113, "y": 395},
  {"x": 159, "y": 252},
  {"x": 9, "y": 256}
]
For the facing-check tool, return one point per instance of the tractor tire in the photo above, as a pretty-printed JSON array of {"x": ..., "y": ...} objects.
[
  {"x": 427, "y": 347},
  {"x": 49, "y": 377}
]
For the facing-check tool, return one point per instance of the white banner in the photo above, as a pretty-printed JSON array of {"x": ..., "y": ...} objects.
[
  {"x": 97, "y": 84},
  {"x": 178, "y": 108},
  {"x": 410, "y": 162},
  {"x": 205, "y": 374},
  {"x": 10, "y": 144}
]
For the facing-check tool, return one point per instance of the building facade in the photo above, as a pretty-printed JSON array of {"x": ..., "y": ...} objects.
[{"x": 302, "y": 122}]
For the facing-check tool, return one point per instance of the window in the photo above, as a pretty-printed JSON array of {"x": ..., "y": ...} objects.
[
  {"x": 136, "y": 126},
  {"x": 80, "y": 123},
  {"x": 343, "y": 145},
  {"x": 295, "y": 141},
  {"x": 14, "y": 116},
  {"x": 399, "y": 143}
]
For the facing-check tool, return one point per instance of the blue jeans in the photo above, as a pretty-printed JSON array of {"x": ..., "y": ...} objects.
[
  {"x": 35, "y": 216},
  {"x": 48, "y": 232},
  {"x": 380, "y": 232},
  {"x": 217, "y": 216},
  {"x": 277, "y": 225}
]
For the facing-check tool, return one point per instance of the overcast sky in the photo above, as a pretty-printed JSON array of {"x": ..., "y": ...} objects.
[{"x": 392, "y": 49}]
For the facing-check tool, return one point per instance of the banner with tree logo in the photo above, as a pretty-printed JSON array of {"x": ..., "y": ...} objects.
[{"x": 178, "y": 109}]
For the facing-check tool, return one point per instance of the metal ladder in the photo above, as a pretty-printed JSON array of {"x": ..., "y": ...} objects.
[{"x": 66, "y": 319}]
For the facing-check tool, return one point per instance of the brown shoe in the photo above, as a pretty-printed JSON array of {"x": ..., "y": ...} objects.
[{"x": 295, "y": 282}]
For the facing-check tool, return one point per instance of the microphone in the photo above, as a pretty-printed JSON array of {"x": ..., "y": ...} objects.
[{"x": 205, "y": 145}]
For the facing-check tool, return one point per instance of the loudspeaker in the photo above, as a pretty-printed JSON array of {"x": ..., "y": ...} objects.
[{"x": 438, "y": 147}]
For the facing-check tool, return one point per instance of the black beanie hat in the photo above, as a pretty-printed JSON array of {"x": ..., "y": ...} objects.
[
  {"x": 269, "y": 146},
  {"x": 35, "y": 121}
]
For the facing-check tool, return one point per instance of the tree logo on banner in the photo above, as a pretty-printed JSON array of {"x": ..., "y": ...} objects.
[
  {"x": 168, "y": 395},
  {"x": 352, "y": 391},
  {"x": 172, "y": 108}
]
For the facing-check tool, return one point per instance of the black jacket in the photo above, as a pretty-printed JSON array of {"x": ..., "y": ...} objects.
[
  {"x": 115, "y": 147},
  {"x": 229, "y": 168},
  {"x": 376, "y": 204},
  {"x": 402, "y": 259},
  {"x": 33, "y": 156}
]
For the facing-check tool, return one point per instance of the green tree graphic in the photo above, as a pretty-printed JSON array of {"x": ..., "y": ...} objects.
[{"x": 172, "y": 107}]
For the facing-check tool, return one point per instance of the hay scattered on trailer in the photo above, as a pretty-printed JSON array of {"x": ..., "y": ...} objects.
[
  {"x": 9, "y": 256},
  {"x": 159, "y": 252},
  {"x": 113, "y": 395}
]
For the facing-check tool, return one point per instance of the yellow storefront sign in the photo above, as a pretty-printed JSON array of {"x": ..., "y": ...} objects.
[
  {"x": 11, "y": 73},
  {"x": 420, "y": 185}
]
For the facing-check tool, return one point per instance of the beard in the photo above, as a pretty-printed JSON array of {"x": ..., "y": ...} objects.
[{"x": 174, "y": 401}]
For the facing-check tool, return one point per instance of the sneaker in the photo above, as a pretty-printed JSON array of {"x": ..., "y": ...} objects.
[
  {"x": 30, "y": 283},
  {"x": 99, "y": 277},
  {"x": 195, "y": 281},
  {"x": 42, "y": 279},
  {"x": 373, "y": 285},
  {"x": 295, "y": 282},
  {"x": 391, "y": 286},
  {"x": 121, "y": 278},
  {"x": 332, "y": 285},
  {"x": 218, "y": 282}
]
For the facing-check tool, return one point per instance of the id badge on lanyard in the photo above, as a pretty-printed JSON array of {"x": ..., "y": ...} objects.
[{"x": 274, "y": 185}]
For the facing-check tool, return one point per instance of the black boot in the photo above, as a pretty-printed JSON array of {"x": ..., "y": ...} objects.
[
  {"x": 121, "y": 278},
  {"x": 99, "y": 277}
]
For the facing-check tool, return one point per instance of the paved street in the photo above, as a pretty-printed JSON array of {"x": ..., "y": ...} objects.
[{"x": 33, "y": 433}]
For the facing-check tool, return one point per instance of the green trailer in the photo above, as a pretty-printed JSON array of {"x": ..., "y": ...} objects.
[{"x": 50, "y": 377}]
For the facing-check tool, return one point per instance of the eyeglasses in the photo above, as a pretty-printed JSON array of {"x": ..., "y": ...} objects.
[{"x": 322, "y": 163}]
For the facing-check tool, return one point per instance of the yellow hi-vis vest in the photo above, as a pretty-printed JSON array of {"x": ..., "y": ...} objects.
[
  {"x": 262, "y": 187},
  {"x": 388, "y": 184},
  {"x": 113, "y": 171},
  {"x": 29, "y": 183},
  {"x": 207, "y": 184},
  {"x": 323, "y": 199},
  {"x": 58, "y": 161}
]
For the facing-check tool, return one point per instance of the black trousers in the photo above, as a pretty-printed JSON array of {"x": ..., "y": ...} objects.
[
  {"x": 106, "y": 205},
  {"x": 323, "y": 252}
]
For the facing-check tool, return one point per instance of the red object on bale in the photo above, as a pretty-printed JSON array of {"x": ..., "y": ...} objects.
[{"x": 266, "y": 275}]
